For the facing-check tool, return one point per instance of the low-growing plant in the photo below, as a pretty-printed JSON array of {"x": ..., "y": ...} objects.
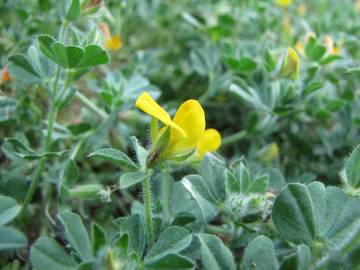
[{"x": 179, "y": 135}]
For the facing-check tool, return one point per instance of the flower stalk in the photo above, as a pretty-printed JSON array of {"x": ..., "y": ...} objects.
[
  {"x": 166, "y": 192},
  {"x": 148, "y": 215}
]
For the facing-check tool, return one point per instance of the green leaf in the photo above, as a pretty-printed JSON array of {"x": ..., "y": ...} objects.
[
  {"x": 74, "y": 55},
  {"x": 342, "y": 215},
  {"x": 314, "y": 50},
  {"x": 170, "y": 262},
  {"x": 11, "y": 238},
  {"x": 72, "y": 9},
  {"x": 71, "y": 173},
  {"x": 293, "y": 214},
  {"x": 250, "y": 96},
  {"x": 260, "y": 255},
  {"x": 46, "y": 253},
  {"x": 114, "y": 156},
  {"x": 329, "y": 59},
  {"x": 141, "y": 153},
  {"x": 20, "y": 144},
  {"x": 260, "y": 184},
  {"x": 352, "y": 168},
  {"x": 78, "y": 129},
  {"x": 270, "y": 63},
  {"x": 98, "y": 238},
  {"x": 232, "y": 184},
  {"x": 22, "y": 70},
  {"x": 313, "y": 86},
  {"x": 212, "y": 170},
  {"x": 243, "y": 174},
  {"x": 182, "y": 219},
  {"x": 94, "y": 55},
  {"x": 9, "y": 209},
  {"x": 134, "y": 230},
  {"x": 242, "y": 65},
  {"x": 68, "y": 56},
  {"x": 172, "y": 240},
  {"x": 214, "y": 254},
  {"x": 130, "y": 179},
  {"x": 198, "y": 189},
  {"x": 76, "y": 234},
  {"x": 300, "y": 260},
  {"x": 46, "y": 43}
]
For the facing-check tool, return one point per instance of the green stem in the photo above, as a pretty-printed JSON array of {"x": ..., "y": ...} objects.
[
  {"x": 63, "y": 30},
  {"x": 234, "y": 138},
  {"x": 147, "y": 204},
  {"x": 41, "y": 165},
  {"x": 48, "y": 140},
  {"x": 217, "y": 229},
  {"x": 91, "y": 105},
  {"x": 165, "y": 193},
  {"x": 77, "y": 149}
]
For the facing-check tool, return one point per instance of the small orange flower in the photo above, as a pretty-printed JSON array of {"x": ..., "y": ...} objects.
[
  {"x": 112, "y": 43},
  {"x": 357, "y": 6},
  {"x": 330, "y": 46},
  {"x": 5, "y": 75},
  {"x": 299, "y": 46},
  {"x": 301, "y": 9}
]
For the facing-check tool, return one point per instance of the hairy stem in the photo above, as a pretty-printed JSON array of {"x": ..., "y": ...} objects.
[
  {"x": 165, "y": 192},
  {"x": 147, "y": 204}
]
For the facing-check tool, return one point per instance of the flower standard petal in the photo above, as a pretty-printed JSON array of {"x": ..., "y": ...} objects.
[
  {"x": 148, "y": 105},
  {"x": 210, "y": 142},
  {"x": 191, "y": 118}
]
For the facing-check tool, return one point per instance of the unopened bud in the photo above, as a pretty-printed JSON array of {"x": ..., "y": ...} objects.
[
  {"x": 269, "y": 153},
  {"x": 290, "y": 65},
  {"x": 90, "y": 192},
  {"x": 160, "y": 145},
  {"x": 89, "y": 7}
]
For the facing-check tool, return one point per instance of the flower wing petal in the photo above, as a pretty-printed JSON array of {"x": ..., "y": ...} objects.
[{"x": 210, "y": 142}]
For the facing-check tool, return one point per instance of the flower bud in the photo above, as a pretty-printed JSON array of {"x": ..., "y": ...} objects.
[
  {"x": 89, "y": 7},
  {"x": 90, "y": 192},
  {"x": 269, "y": 153},
  {"x": 244, "y": 205},
  {"x": 161, "y": 143},
  {"x": 290, "y": 65}
]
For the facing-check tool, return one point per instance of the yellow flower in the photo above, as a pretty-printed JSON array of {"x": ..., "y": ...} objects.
[
  {"x": 113, "y": 43},
  {"x": 284, "y": 3},
  {"x": 290, "y": 66},
  {"x": 187, "y": 128}
]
